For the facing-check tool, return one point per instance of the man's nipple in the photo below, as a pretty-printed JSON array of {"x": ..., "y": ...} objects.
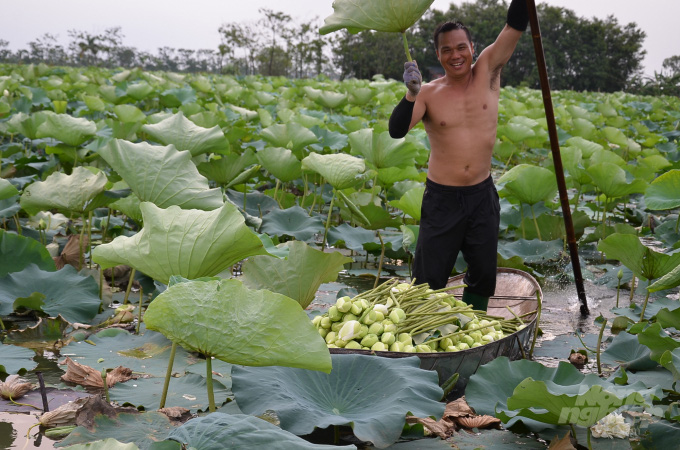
[{"x": 442, "y": 123}]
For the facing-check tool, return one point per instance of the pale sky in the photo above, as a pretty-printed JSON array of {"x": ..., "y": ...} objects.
[{"x": 150, "y": 24}]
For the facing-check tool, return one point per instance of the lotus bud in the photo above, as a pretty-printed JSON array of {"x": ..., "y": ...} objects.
[
  {"x": 42, "y": 225},
  {"x": 379, "y": 317},
  {"x": 380, "y": 308},
  {"x": 397, "y": 315},
  {"x": 422, "y": 348},
  {"x": 468, "y": 340},
  {"x": 499, "y": 335},
  {"x": 369, "y": 318},
  {"x": 497, "y": 327},
  {"x": 451, "y": 348},
  {"x": 434, "y": 345},
  {"x": 356, "y": 308},
  {"x": 463, "y": 346},
  {"x": 349, "y": 316},
  {"x": 476, "y": 344},
  {"x": 389, "y": 303},
  {"x": 343, "y": 304},
  {"x": 349, "y": 330},
  {"x": 487, "y": 338},
  {"x": 369, "y": 340},
  {"x": 334, "y": 314},
  {"x": 397, "y": 347},
  {"x": 460, "y": 304},
  {"x": 476, "y": 335},
  {"x": 405, "y": 338},
  {"x": 5, "y": 93},
  {"x": 53, "y": 249},
  {"x": 336, "y": 326},
  {"x": 354, "y": 345},
  {"x": 619, "y": 274},
  {"x": 388, "y": 325},
  {"x": 445, "y": 343},
  {"x": 332, "y": 346},
  {"x": 340, "y": 343},
  {"x": 378, "y": 347},
  {"x": 409, "y": 348},
  {"x": 388, "y": 338},
  {"x": 325, "y": 322},
  {"x": 376, "y": 328},
  {"x": 363, "y": 332},
  {"x": 331, "y": 337},
  {"x": 364, "y": 303},
  {"x": 316, "y": 321},
  {"x": 323, "y": 332}
]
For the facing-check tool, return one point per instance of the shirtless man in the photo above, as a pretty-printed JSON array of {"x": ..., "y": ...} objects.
[{"x": 460, "y": 210}]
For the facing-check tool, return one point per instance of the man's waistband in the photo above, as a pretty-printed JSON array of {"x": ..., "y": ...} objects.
[{"x": 473, "y": 188}]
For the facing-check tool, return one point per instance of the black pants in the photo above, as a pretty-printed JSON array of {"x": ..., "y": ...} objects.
[{"x": 453, "y": 219}]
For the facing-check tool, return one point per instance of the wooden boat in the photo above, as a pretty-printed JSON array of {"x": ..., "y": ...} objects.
[{"x": 516, "y": 290}]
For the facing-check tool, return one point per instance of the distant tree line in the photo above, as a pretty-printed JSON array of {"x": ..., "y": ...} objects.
[{"x": 581, "y": 54}]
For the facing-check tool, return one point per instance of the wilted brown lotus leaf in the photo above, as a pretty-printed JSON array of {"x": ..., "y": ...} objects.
[
  {"x": 91, "y": 379},
  {"x": 565, "y": 443},
  {"x": 176, "y": 413},
  {"x": 71, "y": 252},
  {"x": 443, "y": 428},
  {"x": 14, "y": 387},
  {"x": 458, "y": 408},
  {"x": 478, "y": 422},
  {"x": 62, "y": 416}
]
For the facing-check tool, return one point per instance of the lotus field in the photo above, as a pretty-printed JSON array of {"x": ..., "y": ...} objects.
[{"x": 165, "y": 235}]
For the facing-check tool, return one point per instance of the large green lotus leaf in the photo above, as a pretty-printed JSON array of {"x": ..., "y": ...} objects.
[
  {"x": 583, "y": 128},
  {"x": 129, "y": 114},
  {"x": 226, "y": 320},
  {"x": 331, "y": 100},
  {"x": 290, "y": 135},
  {"x": 161, "y": 175},
  {"x": 146, "y": 354},
  {"x": 219, "y": 430},
  {"x": 550, "y": 403},
  {"x": 188, "y": 391},
  {"x": 280, "y": 162},
  {"x": 7, "y": 189},
  {"x": 668, "y": 281},
  {"x": 340, "y": 170},
  {"x": 17, "y": 252},
  {"x": 644, "y": 262},
  {"x": 141, "y": 429},
  {"x": 186, "y": 135},
  {"x": 380, "y": 150},
  {"x": 298, "y": 276},
  {"x": 353, "y": 238},
  {"x": 664, "y": 192},
  {"x": 370, "y": 393},
  {"x": 257, "y": 204},
  {"x": 104, "y": 444},
  {"x": 661, "y": 434},
  {"x": 63, "y": 292},
  {"x": 9, "y": 207},
  {"x": 379, "y": 15},
  {"x": 390, "y": 175},
  {"x": 189, "y": 243},
  {"x": 224, "y": 169},
  {"x": 139, "y": 91},
  {"x": 586, "y": 146},
  {"x": 671, "y": 361},
  {"x": 615, "y": 136},
  {"x": 627, "y": 352},
  {"x": 67, "y": 129},
  {"x": 294, "y": 222},
  {"x": 658, "y": 341},
  {"x": 532, "y": 251},
  {"x": 68, "y": 193},
  {"x": 529, "y": 184},
  {"x": 634, "y": 312},
  {"x": 130, "y": 207},
  {"x": 28, "y": 125},
  {"x": 516, "y": 132},
  {"x": 611, "y": 180},
  {"x": 15, "y": 359},
  {"x": 411, "y": 202},
  {"x": 332, "y": 140}
]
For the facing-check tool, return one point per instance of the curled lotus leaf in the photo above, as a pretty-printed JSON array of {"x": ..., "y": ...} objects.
[
  {"x": 190, "y": 243},
  {"x": 340, "y": 170},
  {"x": 225, "y": 319},
  {"x": 186, "y": 135},
  {"x": 68, "y": 129},
  {"x": 379, "y": 15},
  {"x": 664, "y": 192}
]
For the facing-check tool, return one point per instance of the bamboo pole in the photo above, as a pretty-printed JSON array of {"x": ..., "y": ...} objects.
[{"x": 557, "y": 159}]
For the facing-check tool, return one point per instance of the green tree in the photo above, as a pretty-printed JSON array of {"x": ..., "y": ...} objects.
[{"x": 277, "y": 25}]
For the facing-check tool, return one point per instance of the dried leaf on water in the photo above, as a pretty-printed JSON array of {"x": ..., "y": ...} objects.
[
  {"x": 564, "y": 443},
  {"x": 14, "y": 387},
  {"x": 91, "y": 378},
  {"x": 71, "y": 252},
  {"x": 62, "y": 416},
  {"x": 176, "y": 413},
  {"x": 457, "y": 414},
  {"x": 478, "y": 422}
]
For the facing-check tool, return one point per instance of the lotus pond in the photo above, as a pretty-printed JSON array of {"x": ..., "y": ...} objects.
[{"x": 224, "y": 212}]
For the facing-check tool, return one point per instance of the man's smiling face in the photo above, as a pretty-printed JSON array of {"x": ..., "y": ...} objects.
[{"x": 455, "y": 53}]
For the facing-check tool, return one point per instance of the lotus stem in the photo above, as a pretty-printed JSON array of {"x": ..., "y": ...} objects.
[
  {"x": 513, "y": 313},
  {"x": 408, "y": 53},
  {"x": 11, "y": 400},
  {"x": 101, "y": 284},
  {"x": 521, "y": 222},
  {"x": 328, "y": 222},
  {"x": 43, "y": 392},
  {"x": 588, "y": 433},
  {"x": 139, "y": 313},
  {"x": 644, "y": 305},
  {"x": 106, "y": 227},
  {"x": 168, "y": 375},
  {"x": 677, "y": 222},
  {"x": 80, "y": 244},
  {"x": 129, "y": 286},
  {"x": 336, "y": 434},
  {"x": 632, "y": 289},
  {"x": 16, "y": 221},
  {"x": 538, "y": 232},
  {"x": 380, "y": 264},
  {"x": 89, "y": 239},
  {"x": 276, "y": 191},
  {"x": 209, "y": 383},
  {"x": 599, "y": 346},
  {"x": 106, "y": 386},
  {"x": 2, "y": 325},
  {"x": 538, "y": 321}
]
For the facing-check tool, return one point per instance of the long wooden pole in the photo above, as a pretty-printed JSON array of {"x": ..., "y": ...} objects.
[{"x": 557, "y": 159}]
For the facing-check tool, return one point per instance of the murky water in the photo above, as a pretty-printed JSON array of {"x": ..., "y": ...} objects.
[{"x": 560, "y": 316}]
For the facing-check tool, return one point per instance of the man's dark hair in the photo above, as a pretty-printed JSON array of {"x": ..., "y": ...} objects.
[{"x": 448, "y": 26}]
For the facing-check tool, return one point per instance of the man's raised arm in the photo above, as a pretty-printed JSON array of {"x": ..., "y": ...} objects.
[{"x": 498, "y": 53}]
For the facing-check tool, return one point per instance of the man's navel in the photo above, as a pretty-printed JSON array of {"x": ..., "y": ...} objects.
[{"x": 484, "y": 107}]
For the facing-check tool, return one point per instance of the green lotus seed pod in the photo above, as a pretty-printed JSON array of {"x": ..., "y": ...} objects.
[{"x": 369, "y": 340}]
